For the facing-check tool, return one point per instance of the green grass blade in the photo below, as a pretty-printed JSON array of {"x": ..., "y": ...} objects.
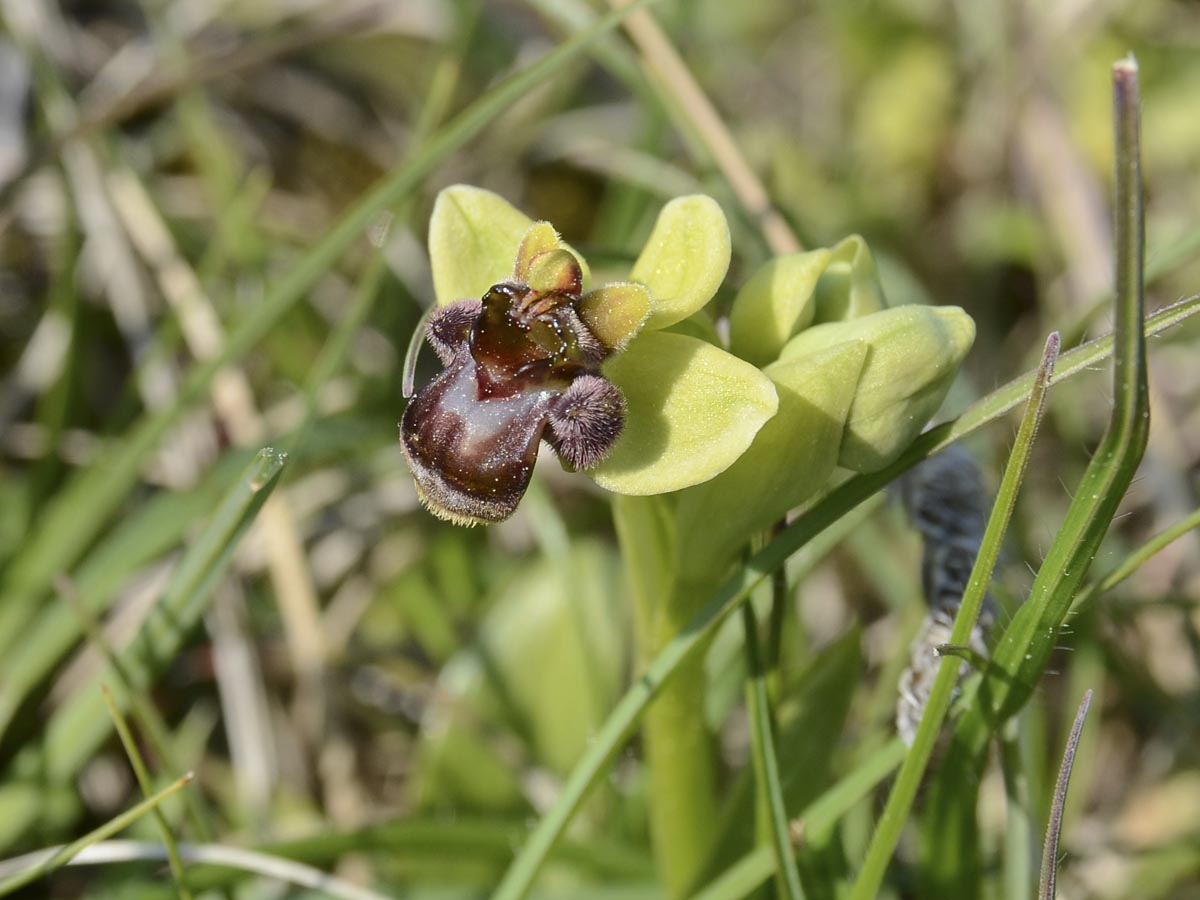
[
  {"x": 1054, "y": 826},
  {"x": 766, "y": 765},
  {"x": 621, "y": 722},
  {"x": 79, "y": 727},
  {"x": 147, "y": 785},
  {"x": 148, "y": 533},
  {"x": 79, "y": 511},
  {"x": 740, "y": 879},
  {"x": 1027, "y": 643},
  {"x": 904, "y": 791},
  {"x": 62, "y": 855}
]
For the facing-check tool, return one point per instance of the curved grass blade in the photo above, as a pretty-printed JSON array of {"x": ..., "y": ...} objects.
[
  {"x": 251, "y": 861},
  {"x": 904, "y": 790},
  {"x": 1027, "y": 643},
  {"x": 78, "y": 512},
  {"x": 1054, "y": 826},
  {"x": 143, "y": 778},
  {"x": 60, "y": 857}
]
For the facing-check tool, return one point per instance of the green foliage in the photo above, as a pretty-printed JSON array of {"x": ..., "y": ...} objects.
[{"x": 670, "y": 678}]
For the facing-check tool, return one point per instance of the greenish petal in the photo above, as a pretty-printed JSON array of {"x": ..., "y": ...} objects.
[
  {"x": 849, "y": 287},
  {"x": 778, "y": 301},
  {"x": 473, "y": 240},
  {"x": 615, "y": 312},
  {"x": 915, "y": 352},
  {"x": 692, "y": 410},
  {"x": 685, "y": 259},
  {"x": 791, "y": 458}
]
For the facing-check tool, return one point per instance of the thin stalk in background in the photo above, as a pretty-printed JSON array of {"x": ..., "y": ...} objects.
[
  {"x": 904, "y": 791},
  {"x": 60, "y": 857},
  {"x": 608, "y": 741},
  {"x": 144, "y": 782}
]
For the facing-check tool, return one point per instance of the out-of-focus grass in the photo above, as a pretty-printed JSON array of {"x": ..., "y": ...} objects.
[{"x": 462, "y": 674}]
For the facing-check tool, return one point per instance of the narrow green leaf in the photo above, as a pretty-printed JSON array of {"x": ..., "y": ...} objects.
[
  {"x": 766, "y": 764},
  {"x": 1027, "y": 643},
  {"x": 63, "y": 855},
  {"x": 742, "y": 878},
  {"x": 143, "y": 778}
]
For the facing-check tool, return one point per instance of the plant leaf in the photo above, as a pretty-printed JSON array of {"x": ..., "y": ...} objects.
[
  {"x": 692, "y": 410},
  {"x": 685, "y": 259},
  {"x": 473, "y": 239}
]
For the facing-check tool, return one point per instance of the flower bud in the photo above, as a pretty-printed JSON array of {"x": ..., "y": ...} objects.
[{"x": 914, "y": 353}]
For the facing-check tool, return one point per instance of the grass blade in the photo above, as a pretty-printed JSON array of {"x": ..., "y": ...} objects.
[
  {"x": 60, "y": 857},
  {"x": 744, "y": 876},
  {"x": 904, "y": 791},
  {"x": 147, "y": 786},
  {"x": 1054, "y": 826},
  {"x": 78, "y": 728}
]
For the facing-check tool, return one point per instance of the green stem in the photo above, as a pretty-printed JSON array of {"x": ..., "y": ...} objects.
[
  {"x": 766, "y": 764},
  {"x": 680, "y": 753}
]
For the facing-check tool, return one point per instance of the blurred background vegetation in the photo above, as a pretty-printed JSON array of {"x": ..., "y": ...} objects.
[{"x": 382, "y": 695}]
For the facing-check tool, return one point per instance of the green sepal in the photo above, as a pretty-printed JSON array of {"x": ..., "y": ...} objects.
[
  {"x": 776, "y": 303},
  {"x": 849, "y": 287},
  {"x": 914, "y": 354},
  {"x": 475, "y": 236},
  {"x": 791, "y": 459},
  {"x": 473, "y": 239},
  {"x": 685, "y": 258},
  {"x": 692, "y": 409}
]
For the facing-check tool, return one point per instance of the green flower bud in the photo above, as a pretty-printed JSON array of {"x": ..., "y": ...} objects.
[
  {"x": 775, "y": 304},
  {"x": 849, "y": 287},
  {"x": 914, "y": 353}
]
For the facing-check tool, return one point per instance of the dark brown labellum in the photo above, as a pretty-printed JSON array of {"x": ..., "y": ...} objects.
[{"x": 517, "y": 362}]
